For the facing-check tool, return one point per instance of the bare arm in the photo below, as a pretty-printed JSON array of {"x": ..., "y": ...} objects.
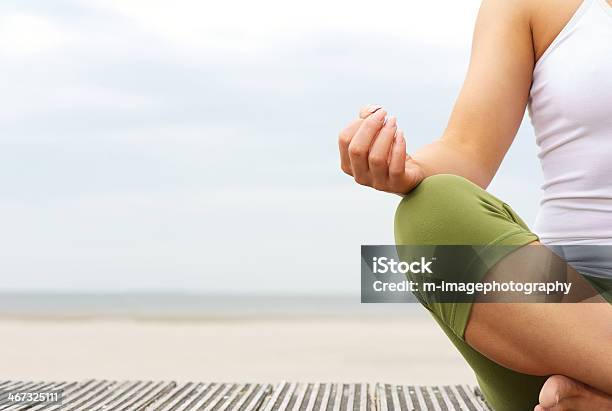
[
  {"x": 492, "y": 103},
  {"x": 483, "y": 123}
]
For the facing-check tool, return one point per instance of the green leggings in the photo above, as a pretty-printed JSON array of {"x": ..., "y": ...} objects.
[{"x": 450, "y": 210}]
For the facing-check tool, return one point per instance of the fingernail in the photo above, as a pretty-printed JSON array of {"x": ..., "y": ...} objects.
[
  {"x": 379, "y": 115},
  {"x": 399, "y": 136},
  {"x": 392, "y": 121},
  {"x": 373, "y": 108}
]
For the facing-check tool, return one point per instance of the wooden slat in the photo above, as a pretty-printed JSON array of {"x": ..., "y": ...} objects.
[
  {"x": 303, "y": 392},
  {"x": 413, "y": 398},
  {"x": 219, "y": 397},
  {"x": 66, "y": 389},
  {"x": 55, "y": 386},
  {"x": 176, "y": 396},
  {"x": 5, "y": 404},
  {"x": 92, "y": 395},
  {"x": 430, "y": 403},
  {"x": 469, "y": 392},
  {"x": 466, "y": 399},
  {"x": 313, "y": 397},
  {"x": 97, "y": 398},
  {"x": 102, "y": 395},
  {"x": 146, "y": 397},
  {"x": 8, "y": 385},
  {"x": 440, "y": 401},
  {"x": 287, "y": 397},
  {"x": 200, "y": 395},
  {"x": 120, "y": 395},
  {"x": 231, "y": 399},
  {"x": 406, "y": 400},
  {"x": 259, "y": 397},
  {"x": 71, "y": 391}
]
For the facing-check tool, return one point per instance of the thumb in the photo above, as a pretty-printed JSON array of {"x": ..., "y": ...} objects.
[{"x": 414, "y": 173}]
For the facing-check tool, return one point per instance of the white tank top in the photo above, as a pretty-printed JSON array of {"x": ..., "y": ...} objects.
[{"x": 570, "y": 107}]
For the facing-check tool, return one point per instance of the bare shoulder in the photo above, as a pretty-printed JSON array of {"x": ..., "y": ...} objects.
[
  {"x": 539, "y": 21},
  {"x": 547, "y": 20}
]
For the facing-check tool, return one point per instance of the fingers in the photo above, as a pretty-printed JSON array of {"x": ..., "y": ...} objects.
[
  {"x": 366, "y": 111},
  {"x": 398, "y": 160},
  {"x": 378, "y": 160},
  {"x": 360, "y": 144},
  {"x": 344, "y": 141},
  {"x": 347, "y": 134}
]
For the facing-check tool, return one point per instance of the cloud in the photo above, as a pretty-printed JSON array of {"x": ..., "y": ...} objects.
[
  {"x": 23, "y": 35},
  {"x": 251, "y": 26},
  {"x": 143, "y": 144}
]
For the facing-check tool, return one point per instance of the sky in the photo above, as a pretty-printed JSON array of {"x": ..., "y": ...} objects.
[{"x": 192, "y": 146}]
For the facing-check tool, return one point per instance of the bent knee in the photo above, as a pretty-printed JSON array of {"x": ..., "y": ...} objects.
[{"x": 432, "y": 212}]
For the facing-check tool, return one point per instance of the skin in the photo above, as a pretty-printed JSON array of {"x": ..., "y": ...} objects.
[{"x": 509, "y": 38}]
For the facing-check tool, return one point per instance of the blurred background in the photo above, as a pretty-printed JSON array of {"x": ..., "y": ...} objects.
[{"x": 170, "y": 187}]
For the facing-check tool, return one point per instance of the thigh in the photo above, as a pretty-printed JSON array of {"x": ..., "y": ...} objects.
[
  {"x": 505, "y": 389},
  {"x": 571, "y": 339},
  {"x": 512, "y": 347},
  {"x": 449, "y": 210},
  {"x": 533, "y": 338}
]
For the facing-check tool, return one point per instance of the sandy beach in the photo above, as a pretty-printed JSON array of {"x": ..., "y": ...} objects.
[{"x": 407, "y": 349}]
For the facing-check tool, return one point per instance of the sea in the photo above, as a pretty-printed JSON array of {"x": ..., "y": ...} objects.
[{"x": 180, "y": 305}]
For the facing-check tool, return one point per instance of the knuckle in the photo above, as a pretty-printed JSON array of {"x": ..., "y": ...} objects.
[
  {"x": 344, "y": 137},
  {"x": 343, "y": 145},
  {"x": 347, "y": 170},
  {"x": 377, "y": 162},
  {"x": 357, "y": 151},
  {"x": 361, "y": 180},
  {"x": 395, "y": 173},
  {"x": 380, "y": 186}
]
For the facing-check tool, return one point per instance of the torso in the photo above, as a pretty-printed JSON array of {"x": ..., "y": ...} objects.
[{"x": 571, "y": 110}]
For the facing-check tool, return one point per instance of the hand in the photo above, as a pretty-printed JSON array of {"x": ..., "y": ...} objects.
[{"x": 373, "y": 151}]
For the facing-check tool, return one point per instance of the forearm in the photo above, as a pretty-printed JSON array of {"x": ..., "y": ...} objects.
[{"x": 445, "y": 156}]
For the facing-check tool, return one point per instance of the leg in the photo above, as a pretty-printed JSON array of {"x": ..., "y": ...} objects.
[
  {"x": 450, "y": 210},
  {"x": 534, "y": 339},
  {"x": 561, "y": 393}
]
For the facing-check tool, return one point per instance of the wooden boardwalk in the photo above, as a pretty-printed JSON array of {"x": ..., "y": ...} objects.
[{"x": 102, "y": 395}]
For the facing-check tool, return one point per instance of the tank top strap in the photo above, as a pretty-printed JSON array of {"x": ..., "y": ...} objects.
[{"x": 567, "y": 30}]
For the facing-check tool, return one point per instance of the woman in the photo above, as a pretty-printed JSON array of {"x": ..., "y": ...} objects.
[{"x": 554, "y": 56}]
